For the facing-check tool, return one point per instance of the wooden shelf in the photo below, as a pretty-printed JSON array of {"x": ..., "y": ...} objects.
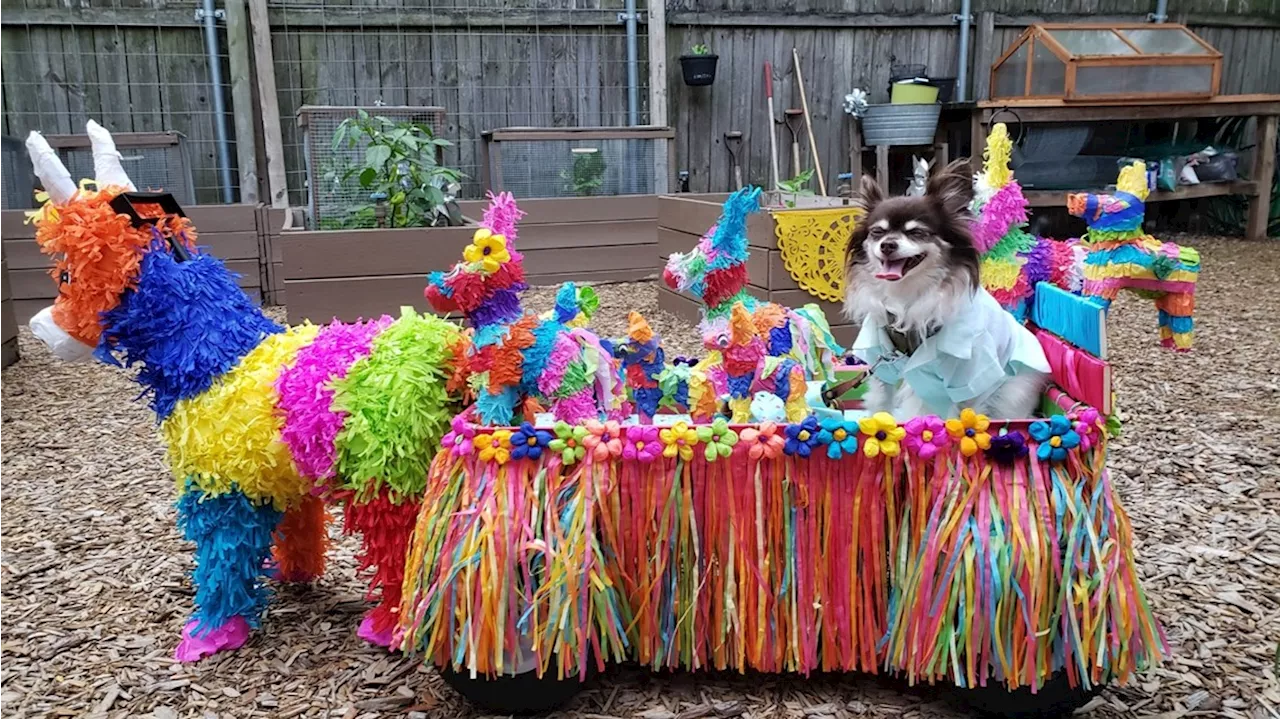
[{"x": 1058, "y": 198}]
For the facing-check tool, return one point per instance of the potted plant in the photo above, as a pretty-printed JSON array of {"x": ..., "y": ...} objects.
[{"x": 699, "y": 66}]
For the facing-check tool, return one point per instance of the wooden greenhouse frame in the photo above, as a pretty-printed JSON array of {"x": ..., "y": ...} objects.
[{"x": 1128, "y": 53}]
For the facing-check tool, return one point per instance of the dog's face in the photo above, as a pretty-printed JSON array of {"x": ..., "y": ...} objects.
[{"x": 915, "y": 241}]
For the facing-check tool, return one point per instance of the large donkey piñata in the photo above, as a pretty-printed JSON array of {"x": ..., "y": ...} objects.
[{"x": 263, "y": 423}]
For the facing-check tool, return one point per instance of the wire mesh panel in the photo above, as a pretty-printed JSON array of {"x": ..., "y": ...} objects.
[
  {"x": 331, "y": 162},
  {"x": 136, "y": 66},
  {"x": 153, "y": 160},
  {"x": 580, "y": 162},
  {"x": 18, "y": 180},
  {"x": 488, "y": 63}
]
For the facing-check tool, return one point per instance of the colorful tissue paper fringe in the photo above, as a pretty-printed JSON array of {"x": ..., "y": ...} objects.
[
  {"x": 301, "y": 540},
  {"x": 186, "y": 324},
  {"x": 385, "y": 523},
  {"x": 101, "y": 250},
  {"x": 396, "y": 407},
  {"x": 310, "y": 422},
  {"x": 973, "y": 566}
]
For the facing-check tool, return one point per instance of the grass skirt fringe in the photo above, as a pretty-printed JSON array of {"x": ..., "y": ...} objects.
[{"x": 955, "y": 568}]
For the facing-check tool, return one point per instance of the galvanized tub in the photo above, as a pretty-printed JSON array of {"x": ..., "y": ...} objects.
[{"x": 900, "y": 124}]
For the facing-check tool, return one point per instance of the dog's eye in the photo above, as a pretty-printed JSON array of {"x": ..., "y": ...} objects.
[{"x": 875, "y": 232}]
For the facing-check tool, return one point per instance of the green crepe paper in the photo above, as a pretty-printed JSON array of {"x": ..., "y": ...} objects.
[
  {"x": 576, "y": 378},
  {"x": 1015, "y": 241},
  {"x": 588, "y": 302},
  {"x": 397, "y": 407}
]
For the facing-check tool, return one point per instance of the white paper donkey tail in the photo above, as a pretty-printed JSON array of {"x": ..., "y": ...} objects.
[
  {"x": 106, "y": 160},
  {"x": 49, "y": 168}
]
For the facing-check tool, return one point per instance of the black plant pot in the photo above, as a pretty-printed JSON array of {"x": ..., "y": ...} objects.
[{"x": 699, "y": 69}]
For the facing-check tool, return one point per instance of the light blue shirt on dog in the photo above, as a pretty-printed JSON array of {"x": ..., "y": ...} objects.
[{"x": 960, "y": 364}]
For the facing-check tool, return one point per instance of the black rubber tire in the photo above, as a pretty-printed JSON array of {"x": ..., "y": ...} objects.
[
  {"x": 1055, "y": 699},
  {"x": 514, "y": 694}
]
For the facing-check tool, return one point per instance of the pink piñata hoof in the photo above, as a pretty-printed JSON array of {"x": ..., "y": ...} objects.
[
  {"x": 368, "y": 633},
  {"x": 230, "y": 636}
]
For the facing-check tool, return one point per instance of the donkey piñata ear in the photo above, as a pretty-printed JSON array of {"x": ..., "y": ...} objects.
[
  {"x": 49, "y": 168},
  {"x": 106, "y": 160}
]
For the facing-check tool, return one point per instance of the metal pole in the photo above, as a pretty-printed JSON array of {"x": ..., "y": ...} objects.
[
  {"x": 209, "y": 16},
  {"x": 962, "y": 71},
  {"x": 1162, "y": 12},
  {"x": 633, "y": 67}
]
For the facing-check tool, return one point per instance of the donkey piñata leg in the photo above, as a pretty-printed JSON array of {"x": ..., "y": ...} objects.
[{"x": 233, "y": 539}]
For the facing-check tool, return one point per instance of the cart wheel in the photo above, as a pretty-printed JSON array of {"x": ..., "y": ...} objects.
[
  {"x": 1056, "y": 698},
  {"x": 524, "y": 693}
]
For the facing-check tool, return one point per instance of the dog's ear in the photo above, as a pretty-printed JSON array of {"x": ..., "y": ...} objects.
[
  {"x": 953, "y": 187},
  {"x": 869, "y": 194}
]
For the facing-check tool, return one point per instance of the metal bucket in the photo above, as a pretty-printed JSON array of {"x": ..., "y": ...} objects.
[{"x": 900, "y": 124}]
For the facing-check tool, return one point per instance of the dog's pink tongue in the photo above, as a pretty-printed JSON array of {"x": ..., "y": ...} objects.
[{"x": 892, "y": 270}]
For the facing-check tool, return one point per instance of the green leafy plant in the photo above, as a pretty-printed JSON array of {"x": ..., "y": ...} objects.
[
  {"x": 587, "y": 174},
  {"x": 399, "y": 168},
  {"x": 796, "y": 187},
  {"x": 700, "y": 49}
]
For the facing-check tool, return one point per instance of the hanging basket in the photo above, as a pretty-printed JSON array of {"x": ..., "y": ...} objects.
[{"x": 699, "y": 69}]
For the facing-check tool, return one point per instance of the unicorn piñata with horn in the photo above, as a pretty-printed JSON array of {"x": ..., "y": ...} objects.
[
  {"x": 518, "y": 361},
  {"x": 262, "y": 423},
  {"x": 1121, "y": 256},
  {"x": 1013, "y": 260},
  {"x": 715, "y": 274}
]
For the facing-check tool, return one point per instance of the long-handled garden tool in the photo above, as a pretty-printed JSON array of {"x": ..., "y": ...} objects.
[
  {"x": 733, "y": 143},
  {"x": 773, "y": 138},
  {"x": 808, "y": 123}
]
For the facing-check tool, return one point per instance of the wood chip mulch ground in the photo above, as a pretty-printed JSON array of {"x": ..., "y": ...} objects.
[{"x": 95, "y": 577}]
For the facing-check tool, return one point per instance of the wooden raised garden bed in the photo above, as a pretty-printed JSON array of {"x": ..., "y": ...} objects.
[{"x": 364, "y": 273}]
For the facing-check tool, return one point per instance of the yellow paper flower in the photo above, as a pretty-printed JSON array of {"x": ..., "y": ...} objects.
[
  {"x": 495, "y": 447},
  {"x": 970, "y": 430},
  {"x": 488, "y": 250},
  {"x": 883, "y": 435},
  {"x": 678, "y": 439}
]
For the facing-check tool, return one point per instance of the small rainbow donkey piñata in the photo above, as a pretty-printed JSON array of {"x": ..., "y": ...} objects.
[
  {"x": 1013, "y": 260},
  {"x": 1124, "y": 257},
  {"x": 715, "y": 274},
  {"x": 519, "y": 361},
  {"x": 262, "y": 423}
]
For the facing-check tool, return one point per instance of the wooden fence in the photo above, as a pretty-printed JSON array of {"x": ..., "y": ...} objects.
[
  {"x": 365, "y": 273},
  {"x": 555, "y": 63},
  {"x": 235, "y": 233}
]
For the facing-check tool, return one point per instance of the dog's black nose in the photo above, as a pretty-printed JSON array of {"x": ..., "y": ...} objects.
[{"x": 888, "y": 247}]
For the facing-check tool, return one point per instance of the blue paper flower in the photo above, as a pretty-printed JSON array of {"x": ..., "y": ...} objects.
[
  {"x": 1007, "y": 448},
  {"x": 529, "y": 443},
  {"x": 1055, "y": 437},
  {"x": 839, "y": 437},
  {"x": 802, "y": 437}
]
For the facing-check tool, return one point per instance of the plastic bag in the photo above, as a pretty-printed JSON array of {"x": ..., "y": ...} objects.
[{"x": 64, "y": 346}]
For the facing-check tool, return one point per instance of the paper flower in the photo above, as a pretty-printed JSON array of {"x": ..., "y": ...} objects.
[
  {"x": 603, "y": 439},
  {"x": 488, "y": 250},
  {"x": 762, "y": 442},
  {"x": 1055, "y": 437},
  {"x": 1007, "y": 448},
  {"x": 568, "y": 442},
  {"x": 459, "y": 439},
  {"x": 802, "y": 437},
  {"x": 529, "y": 443},
  {"x": 678, "y": 440},
  {"x": 883, "y": 435},
  {"x": 839, "y": 436},
  {"x": 1086, "y": 425},
  {"x": 642, "y": 443},
  {"x": 926, "y": 436},
  {"x": 970, "y": 430},
  {"x": 717, "y": 439},
  {"x": 494, "y": 447}
]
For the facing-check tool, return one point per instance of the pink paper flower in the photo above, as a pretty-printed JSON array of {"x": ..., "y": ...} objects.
[
  {"x": 642, "y": 444},
  {"x": 603, "y": 440},
  {"x": 763, "y": 442},
  {"x": 1086, "y": 426},
  {"x": 926, "y": 436},
  {"x": 459, "y": 439}
]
